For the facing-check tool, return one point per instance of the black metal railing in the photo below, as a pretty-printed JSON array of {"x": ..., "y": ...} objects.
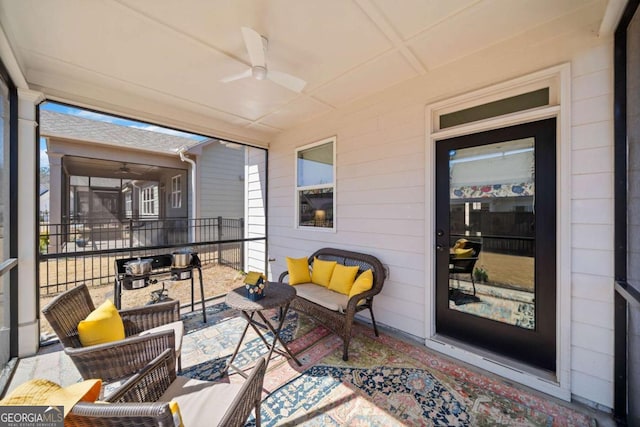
[{"x": 84, "y": 252}]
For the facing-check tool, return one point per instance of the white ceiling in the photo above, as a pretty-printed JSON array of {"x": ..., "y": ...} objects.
[{"x": 161, "y": 60}]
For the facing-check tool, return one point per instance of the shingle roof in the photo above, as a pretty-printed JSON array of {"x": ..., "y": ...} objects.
[{"x": 54, "y": 124}]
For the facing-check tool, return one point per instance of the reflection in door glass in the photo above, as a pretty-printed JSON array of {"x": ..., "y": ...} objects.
[{"x": 492, "y": 224}]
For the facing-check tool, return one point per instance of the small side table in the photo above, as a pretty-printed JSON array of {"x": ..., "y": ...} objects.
[{"x": 277, "y": 295}]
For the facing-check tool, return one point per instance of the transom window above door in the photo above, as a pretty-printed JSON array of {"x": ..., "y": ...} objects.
[{"x": 315, "y": 185}]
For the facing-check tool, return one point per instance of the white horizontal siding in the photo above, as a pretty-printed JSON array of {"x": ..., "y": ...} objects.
[
  {"x": 594, "y": 363},
  {"x": 591, "y": 387},
  {"x": 592, "y": 211},
  {"x": 592, "y": 200},
  {"x": 593, "y": 236},
  {"x": 380, "y": 208},
  {"x": 255, "y": 217},
  {"x": 591, "y": 286},
  {"x": 382, "y": 182},
  {"x": 592, "y": 338},
  {"x": 592, "y": 160},
  {"x": 592, "y": 135}
]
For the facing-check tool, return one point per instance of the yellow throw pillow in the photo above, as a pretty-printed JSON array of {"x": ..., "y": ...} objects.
[
  {"x": 39, "y": 391},
  {"x": 460, "y": 244},
  {"x": 102, "y": 325},
  {"x": 342, "y": 278},
  {"x": 363, "y": 283},
  {"x": 175, "y": 412},
  {"x": 463, "y": 253},
  {"x": 322, "y": 271},
  {"x": 298, "y": 270}
]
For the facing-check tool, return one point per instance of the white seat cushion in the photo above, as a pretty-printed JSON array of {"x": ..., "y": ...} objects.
[
  {"x": 178, "y": 329},
  {"x": 320, "y": 295},
  {"x": 201, "y": 401}
]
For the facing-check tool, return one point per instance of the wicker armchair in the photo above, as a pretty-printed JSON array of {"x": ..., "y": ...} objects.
[
  {"x": 341, "y": 322},
  {"x": 148, "y": 330},
  {"x": 143, "y": 399}
]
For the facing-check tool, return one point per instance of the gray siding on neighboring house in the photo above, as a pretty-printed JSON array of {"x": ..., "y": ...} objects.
[{"x": 221, "y": 172}]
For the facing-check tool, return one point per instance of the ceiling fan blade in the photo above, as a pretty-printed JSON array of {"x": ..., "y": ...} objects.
[
  {"x": 242, "y": 75},
  {"x": 125, "y": 170},
  {"x": 287, "y": 80},
  {"x": 255, "y": 46}
]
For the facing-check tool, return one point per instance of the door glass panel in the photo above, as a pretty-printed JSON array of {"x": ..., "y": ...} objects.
[{"x": 492, "y": 225}]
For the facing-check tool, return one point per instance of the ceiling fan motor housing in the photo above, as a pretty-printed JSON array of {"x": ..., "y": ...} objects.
[
  {"x": 259, "y": 72},
  {"x": 257, "y": 45}
]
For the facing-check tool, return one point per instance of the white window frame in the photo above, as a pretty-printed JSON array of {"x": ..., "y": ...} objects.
[
  {"x": 148, "y": 200},
  {"x": 128, "y": 203},
  {"x": 331, "y": 185},
  {"x": 176, "y": 192}
]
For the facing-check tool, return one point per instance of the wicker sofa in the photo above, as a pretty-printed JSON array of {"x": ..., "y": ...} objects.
[{"x": 334, "y": 310}]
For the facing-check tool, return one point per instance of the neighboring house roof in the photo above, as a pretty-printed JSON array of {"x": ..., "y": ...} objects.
[
  {"x": 54, "y": 124},
  {"x": 201, "y": 145}
]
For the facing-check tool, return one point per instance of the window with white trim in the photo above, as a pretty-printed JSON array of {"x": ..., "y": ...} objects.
[
  {"x": 128, "y": 203},
  {"x": 176, "y": 192},
  {"x": 149, "y": 200},
  {"x": 315, "y": 184}
]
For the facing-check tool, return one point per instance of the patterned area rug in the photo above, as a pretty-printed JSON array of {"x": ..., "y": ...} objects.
[{"x": 386, "y": 382}]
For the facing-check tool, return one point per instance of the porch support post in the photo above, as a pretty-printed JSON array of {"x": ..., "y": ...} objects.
[{"x": 28, "y": 214}]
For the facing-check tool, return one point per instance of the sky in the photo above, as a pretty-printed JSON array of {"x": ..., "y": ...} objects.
[{"x": 52, "y": 106}]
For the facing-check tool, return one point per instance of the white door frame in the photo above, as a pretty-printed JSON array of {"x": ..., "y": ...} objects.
[{"x": 558, "y": 79}]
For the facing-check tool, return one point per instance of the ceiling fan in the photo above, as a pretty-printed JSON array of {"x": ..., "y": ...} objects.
[
  {"x": 257, "y": 48},
  {"x": 126, "y": 170}
]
